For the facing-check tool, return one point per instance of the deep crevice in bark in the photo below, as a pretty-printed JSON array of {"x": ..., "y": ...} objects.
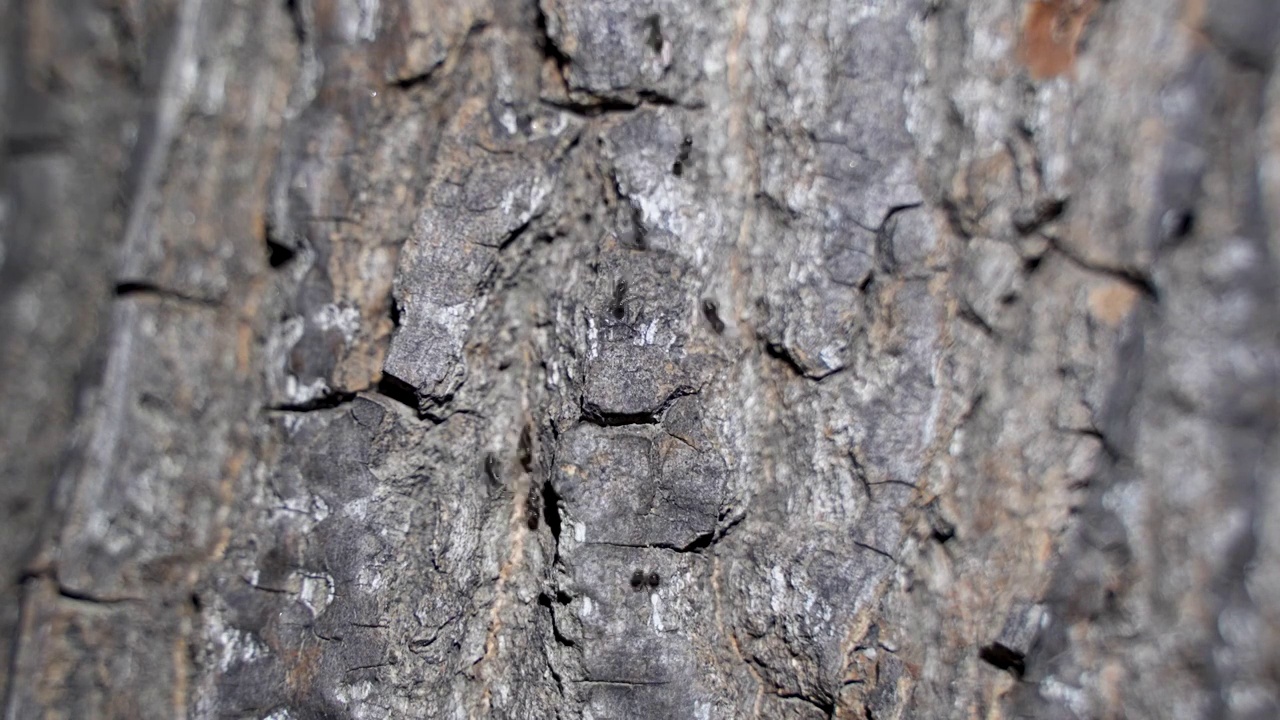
[
  {"x": 400, "y": 391},
  {"x": 136, "y": 288},
  {"x": 326, "y": 401}
]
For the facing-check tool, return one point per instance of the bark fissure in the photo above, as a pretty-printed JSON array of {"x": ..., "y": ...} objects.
[{"x": 137, "y": 288}]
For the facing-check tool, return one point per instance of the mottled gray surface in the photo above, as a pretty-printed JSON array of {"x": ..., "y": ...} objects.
[{"x": 653, "y": 359}]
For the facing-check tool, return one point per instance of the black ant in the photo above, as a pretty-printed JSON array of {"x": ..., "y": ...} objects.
[
  {"x": 653, "y": 24},
  {"x": 686, "y": 147},
  {"x": 532, "y": 507},
  {"x": 616, "y": 308},
  {"x": 525, "y": 449},
  {"x": 711, "y": 311},
  {"x": 638, "y": 231},
  {"x": 640, "y": 578}
]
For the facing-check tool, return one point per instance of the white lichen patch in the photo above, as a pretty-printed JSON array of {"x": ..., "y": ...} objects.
[
  {"x": 343, "y": 318},
  {"x": 830, "y": 356},
  {"x": 236, "y": 647},
  {"x": 353, "y": 693},
  {"x": 369, "y": 578},
  {"x": 317, "y": 592},
  {"x": 357, "y": 509},
  {"x": 369, "y": 19},
  {"x": 593, "y": 338},
  {"x": 655, "y": 617}
]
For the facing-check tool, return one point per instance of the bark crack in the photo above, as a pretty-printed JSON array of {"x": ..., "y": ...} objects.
[
  {"x": 1133, "y": 277},
  {"x": 596, "y": 415},
  {"x": 134, "y": 288},
  {"x": 327, "y": 401}
]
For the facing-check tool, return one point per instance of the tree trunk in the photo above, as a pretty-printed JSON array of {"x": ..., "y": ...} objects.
[{"x": 640, "y": 359}]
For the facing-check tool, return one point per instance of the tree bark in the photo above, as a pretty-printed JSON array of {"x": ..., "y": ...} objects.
[{"x": 649, "y": 359}]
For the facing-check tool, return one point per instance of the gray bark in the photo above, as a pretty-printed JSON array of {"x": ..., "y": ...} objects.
[{"x": 650, "y": 359}]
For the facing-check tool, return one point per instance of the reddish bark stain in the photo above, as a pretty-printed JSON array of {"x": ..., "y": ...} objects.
[{"x": 1051, "y": 34}]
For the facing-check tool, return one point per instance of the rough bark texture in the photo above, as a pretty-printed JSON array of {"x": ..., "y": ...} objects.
[{"x": 640, "y": 358}]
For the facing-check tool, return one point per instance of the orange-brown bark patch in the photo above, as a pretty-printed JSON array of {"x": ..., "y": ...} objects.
[
  {"x": 1051, "y": 34},
  {"x": 1111, "y": 303}
]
